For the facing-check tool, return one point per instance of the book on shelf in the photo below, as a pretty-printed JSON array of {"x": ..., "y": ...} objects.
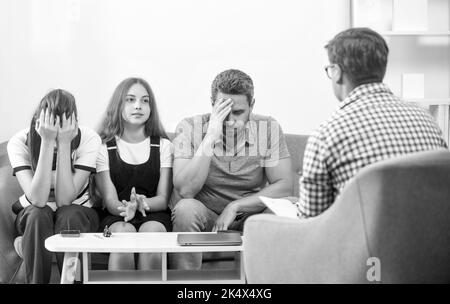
[
  {"x": 375, "y": 14},
  {"x": 391, "y": 16},
  {"x": 410, "y": 15},
  {"x": 413, "y": 86}
]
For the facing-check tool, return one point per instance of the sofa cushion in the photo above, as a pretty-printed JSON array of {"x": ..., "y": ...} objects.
[{"x": 296, "y": 145}]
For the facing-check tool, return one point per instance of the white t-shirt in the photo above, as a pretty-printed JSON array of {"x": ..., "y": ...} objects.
[
  {"x": 136, "y": 153},
  {"x": 84, "y": 158}
]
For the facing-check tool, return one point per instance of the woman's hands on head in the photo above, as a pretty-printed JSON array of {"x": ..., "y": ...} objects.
[
  {"x": 68, "y": 129},
  {"x": 51, "y": 128},
  {"x": 47, "y": 126}
]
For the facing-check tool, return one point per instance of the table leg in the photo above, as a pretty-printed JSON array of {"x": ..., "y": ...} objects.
[
  {"x": 69, "y": 268},
  {"x": 239, "y": 259},
  {"x": 86, "y": 266},
  {"x": 164, "y": 266},
  {"x": 241, "y": 263}
]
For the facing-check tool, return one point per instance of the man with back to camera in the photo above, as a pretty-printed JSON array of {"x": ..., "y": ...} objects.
[
  {"x": 370, "y": 125},
  {"x": 223, "y": 161}
]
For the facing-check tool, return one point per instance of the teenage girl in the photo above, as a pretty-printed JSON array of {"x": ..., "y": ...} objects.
[
  {"x": 52, "y": 161},
  {"x": 134, "y": 170}
]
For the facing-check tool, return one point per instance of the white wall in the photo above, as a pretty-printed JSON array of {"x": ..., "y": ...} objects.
[{"x": 89, "y": 46}]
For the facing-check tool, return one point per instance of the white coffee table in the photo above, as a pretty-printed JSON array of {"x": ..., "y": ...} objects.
[{"x": 165, "y": 242}]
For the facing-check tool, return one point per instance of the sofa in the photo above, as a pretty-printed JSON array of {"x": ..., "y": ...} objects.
[
  {"x": 390, "y": 224},
  {"x": 11, "y": 266}
]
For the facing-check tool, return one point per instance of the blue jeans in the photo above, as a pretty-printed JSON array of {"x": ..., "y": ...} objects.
[{"x": 191, "y": 215}]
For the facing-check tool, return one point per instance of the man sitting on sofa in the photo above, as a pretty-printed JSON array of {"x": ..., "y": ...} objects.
[
  {"x": 371, "y": 123},
  {"x": 223, "y": 161}
]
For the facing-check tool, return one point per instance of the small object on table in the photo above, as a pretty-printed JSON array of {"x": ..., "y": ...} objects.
[
  {"x": 106, "y": 231},
  {"x": 70, "y": 233}
]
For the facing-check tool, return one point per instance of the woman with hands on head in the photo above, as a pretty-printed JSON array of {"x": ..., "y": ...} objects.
[
  {"x": 134, "y": 170},
  {"x": 52, "y": 161}
]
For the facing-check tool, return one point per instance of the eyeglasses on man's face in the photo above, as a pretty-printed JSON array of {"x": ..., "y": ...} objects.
[{"x": 329, "y": 70}]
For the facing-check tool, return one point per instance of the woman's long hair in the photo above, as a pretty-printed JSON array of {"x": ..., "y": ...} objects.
[
  {"x": 113, "y": 123},
  {"x": 58, "y": 102}
]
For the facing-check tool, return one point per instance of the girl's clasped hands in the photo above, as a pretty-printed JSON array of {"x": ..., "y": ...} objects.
[{"x": 137, "y": 202}]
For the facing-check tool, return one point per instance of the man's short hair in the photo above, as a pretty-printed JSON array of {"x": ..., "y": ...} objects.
[
  {"x": 361, "y": 53},
  {"x": 233, "y": 82}
]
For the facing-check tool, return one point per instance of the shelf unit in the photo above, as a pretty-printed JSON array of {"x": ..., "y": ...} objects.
[
  {"x": 431, "y": 101},
  {"x": 415, "y": 33},
  {"x": 423, "y": 61}
]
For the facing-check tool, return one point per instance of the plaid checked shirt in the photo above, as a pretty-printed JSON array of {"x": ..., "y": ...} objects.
[{"x": 370, "y": 125}]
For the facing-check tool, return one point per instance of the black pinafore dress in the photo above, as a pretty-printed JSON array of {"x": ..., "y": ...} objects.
[{"x": 144, "y": 177}]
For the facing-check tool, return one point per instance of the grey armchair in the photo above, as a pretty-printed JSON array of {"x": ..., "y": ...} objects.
[{"x": 396, "y": 210}]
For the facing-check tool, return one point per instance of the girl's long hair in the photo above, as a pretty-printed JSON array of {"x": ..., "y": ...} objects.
[
  {"x": 113, "y": 123},
  {"x": 58, "y": 102}
]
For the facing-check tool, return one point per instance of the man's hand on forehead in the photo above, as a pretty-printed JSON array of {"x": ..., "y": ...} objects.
[
  {"x": 221, "y": 100},
  {"x": 220, "y": 111}
]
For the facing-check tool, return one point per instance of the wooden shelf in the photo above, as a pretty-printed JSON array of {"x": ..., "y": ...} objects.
[
  {"x": 204, "y": 276},
  {"x": 124, "y": 276},
  {"x": 431, "y": 101},
  {"x": 415, "y": 33}
]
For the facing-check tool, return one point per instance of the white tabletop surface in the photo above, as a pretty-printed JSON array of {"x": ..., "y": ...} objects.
[{"x": 128, "y": 242}]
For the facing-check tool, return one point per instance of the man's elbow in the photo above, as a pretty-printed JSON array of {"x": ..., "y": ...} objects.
[{"x": 186, "y": 190}]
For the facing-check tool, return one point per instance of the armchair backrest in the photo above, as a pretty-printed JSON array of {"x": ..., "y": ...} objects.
[
  {"x": 397, "y": 211},
  {"x": 405, "y": 204}
]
